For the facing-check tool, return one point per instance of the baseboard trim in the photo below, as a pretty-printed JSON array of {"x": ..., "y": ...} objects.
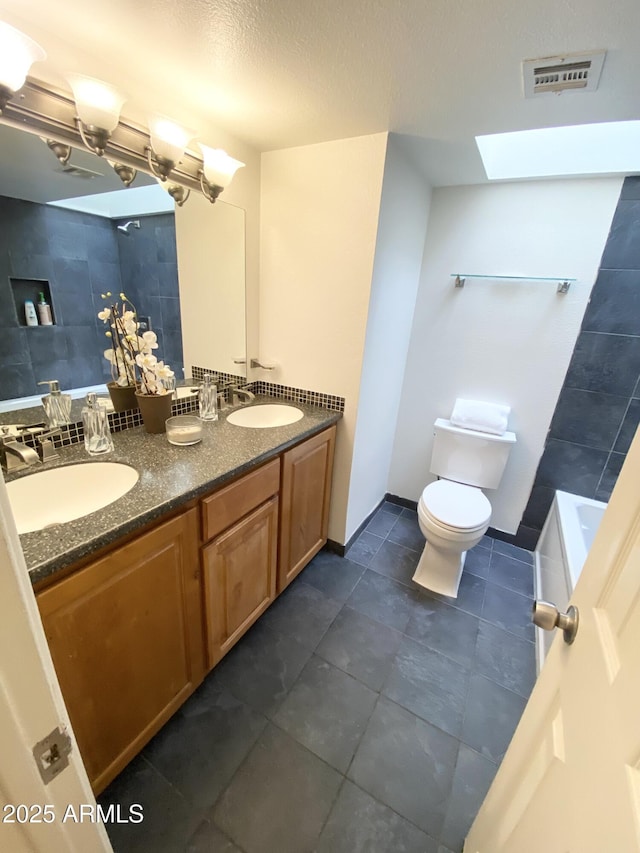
[
  {"x": 526, "y": 537},
  {"x": 398, "y": 501},
  {"x": 337, "y": 548}
]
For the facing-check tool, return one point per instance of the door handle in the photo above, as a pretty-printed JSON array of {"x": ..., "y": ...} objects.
[{"x": 547, "y": 616}]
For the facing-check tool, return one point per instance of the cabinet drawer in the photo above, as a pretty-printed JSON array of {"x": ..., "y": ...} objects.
[{"x": 231, "y": 503}]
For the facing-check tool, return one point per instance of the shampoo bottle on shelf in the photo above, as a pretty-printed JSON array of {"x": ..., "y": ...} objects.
[
  {"x": 30, "y": 313},
  {"x": 44, "y": 311}
]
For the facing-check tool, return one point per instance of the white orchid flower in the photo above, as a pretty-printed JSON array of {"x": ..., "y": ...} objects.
[
  {"x": 164, "y": 371},
  {"x": 150, "y": 339},
  {"x": 104, "y": 315},
  {"x": 146, "y": 361}
]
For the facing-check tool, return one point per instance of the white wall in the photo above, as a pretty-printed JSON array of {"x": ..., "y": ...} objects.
[
  {"x": 211, "y": 268},
  {"x": 198, "y": 264},
  {"x": 507, "y": 342},
  {"x": 404, "y": 211},
  {"x": 319, "y": 217}
]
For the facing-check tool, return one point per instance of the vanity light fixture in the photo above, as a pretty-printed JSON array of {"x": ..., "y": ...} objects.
[
  {"x": 17, "y": 54},
  {"x": 168, "y": 143},
  {"x": 98, "y": 105},
  {"x": 62, "y": 151},
  {"x": 126, "y": 173},
  {"x": 217, "y": 171},
  {"x": 91, "y": 117},
  {"x": 178, "y": 193}
]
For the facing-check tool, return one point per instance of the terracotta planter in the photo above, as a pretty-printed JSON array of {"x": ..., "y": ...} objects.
[
  {"x": 123, "y": 397},
  {"x": 155, "y": 409}
]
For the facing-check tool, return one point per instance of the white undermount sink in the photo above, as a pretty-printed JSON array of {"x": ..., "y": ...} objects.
[
  {"x": 45, "y": 498},
  {"x": 261, "y": 417}
]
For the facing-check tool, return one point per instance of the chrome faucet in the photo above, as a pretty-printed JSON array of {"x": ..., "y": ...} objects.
[
  {"x": 242, "y": 395},
  {"x": 16, "y": 455},
  {"x": 46, "y": 447}
]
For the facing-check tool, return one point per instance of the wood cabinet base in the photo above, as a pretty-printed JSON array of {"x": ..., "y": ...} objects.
[{"x": 126, "y": 639}]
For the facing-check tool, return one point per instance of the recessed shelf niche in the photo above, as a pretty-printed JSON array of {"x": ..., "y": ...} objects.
[{"x": 29, "y": 288}]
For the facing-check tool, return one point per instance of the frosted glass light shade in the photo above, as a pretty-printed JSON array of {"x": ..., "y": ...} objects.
[
  {"x": 218, "y": 167},
  {"x": 98, "y": 104},
  {"x": 17, "y": 54},
  {"x": 168, "y": 139}
]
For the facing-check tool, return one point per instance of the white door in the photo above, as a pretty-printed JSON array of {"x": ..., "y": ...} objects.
[
  {"x": 570, "y": 780},
  {"x": 31, "y": 706}
]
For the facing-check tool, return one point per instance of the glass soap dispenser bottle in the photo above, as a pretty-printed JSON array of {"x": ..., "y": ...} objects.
[
  {"x": 207, "y": 399},
  {"x": 97, "y": 435},
  {"x": 56, "y": 404}
]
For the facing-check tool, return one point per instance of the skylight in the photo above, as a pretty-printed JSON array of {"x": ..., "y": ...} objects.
[{"x": 584, "y": 149}]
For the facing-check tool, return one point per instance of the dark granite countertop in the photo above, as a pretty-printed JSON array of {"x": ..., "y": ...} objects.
[{"x": 169, "y": 477}]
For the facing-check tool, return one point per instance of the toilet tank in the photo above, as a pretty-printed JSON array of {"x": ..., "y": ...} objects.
[{"x": 470, "y": 457}]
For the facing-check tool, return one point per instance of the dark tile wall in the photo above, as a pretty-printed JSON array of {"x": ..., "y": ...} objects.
[
  {"x": 62, "y": 247},
  {"x": 599, "y": 405},
  {"x": 81, "y": 256},
  {"x": 149, "y": 270}
]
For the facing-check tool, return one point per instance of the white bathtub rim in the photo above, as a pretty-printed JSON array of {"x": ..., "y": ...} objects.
[
  {"x": 573, "y": 546},
  {"x": 573, "y": 558}
]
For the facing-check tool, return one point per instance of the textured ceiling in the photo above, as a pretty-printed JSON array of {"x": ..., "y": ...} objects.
[{"x": 280, "y": 73}]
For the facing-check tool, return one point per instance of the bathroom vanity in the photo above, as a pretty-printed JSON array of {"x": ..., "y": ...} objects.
[{"x": 153, "y": 602}]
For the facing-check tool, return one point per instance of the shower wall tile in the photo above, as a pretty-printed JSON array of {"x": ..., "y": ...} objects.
[
  {"x": 631, "y": 189},
  {"x": 588, "y": 418},
  {"x": 571, "y": 467},
  {"x": 603, "y": 362},
  {"x": 538, "y": 507},
  {"x": 80, "y": 257},
  {"x": 609, "y": 476},
  {"x": 598, "y": 409},
  {"x": 14, "y": 347},
  {"x": 622, "y": 251},
  {"x": 628, "y": 428},
  {"x": 614, "y": 306}
]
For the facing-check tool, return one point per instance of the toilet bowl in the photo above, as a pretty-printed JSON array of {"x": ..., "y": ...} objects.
[{"x": 453, "y": 518}]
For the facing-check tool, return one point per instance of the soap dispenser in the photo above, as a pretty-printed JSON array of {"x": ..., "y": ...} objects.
[
  {"x": 97, "y": 435},
  {"x": 207, "y": 399},
  {"x": 56, "y": 404}
]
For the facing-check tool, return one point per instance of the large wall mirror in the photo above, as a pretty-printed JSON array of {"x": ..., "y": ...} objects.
[{"x": 73, "y": 233}]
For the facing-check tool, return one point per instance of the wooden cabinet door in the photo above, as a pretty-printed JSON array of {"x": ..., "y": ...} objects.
[
  {"x": 240, "y": 577},
  {"x": 126, "y": 638},
  {"x": 304, "y": 503}
]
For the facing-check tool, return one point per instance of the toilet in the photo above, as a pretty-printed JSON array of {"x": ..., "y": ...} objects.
[{"x": 453, "y": 513}]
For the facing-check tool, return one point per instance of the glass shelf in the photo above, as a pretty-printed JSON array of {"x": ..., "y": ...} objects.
[{"x": 562, "y": 282}]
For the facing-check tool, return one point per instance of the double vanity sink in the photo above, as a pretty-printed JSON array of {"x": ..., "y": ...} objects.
[
  {"x": 76, "y": 505},
  {"x": 63, "y": 494}
]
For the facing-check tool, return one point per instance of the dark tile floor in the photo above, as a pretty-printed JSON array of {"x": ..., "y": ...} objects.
[{"x": 359, "y": 714}]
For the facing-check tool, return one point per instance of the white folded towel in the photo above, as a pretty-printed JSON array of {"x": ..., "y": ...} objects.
[{"x": 483, "y": 417}]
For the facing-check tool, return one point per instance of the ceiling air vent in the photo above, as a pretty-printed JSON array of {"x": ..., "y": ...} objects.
[{"x": 579, "y": 72}]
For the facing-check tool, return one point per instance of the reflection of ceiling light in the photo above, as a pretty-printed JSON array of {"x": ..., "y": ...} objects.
[
  {"x": 17, "y": 54},
  {"x": 585, "y": 149},
  {"x": 92, "y": 117}
]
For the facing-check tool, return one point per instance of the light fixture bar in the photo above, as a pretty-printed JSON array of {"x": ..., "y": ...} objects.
[{"x": 49, "y": 112}]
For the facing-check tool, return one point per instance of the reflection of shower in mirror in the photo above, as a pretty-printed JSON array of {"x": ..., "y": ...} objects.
[{"x": 125, "y": 228}]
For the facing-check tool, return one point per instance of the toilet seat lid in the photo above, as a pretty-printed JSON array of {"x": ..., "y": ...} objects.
[{"x": 456, "y": 505}]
